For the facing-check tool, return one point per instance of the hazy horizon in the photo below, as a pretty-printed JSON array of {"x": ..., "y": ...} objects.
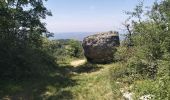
[{"x": 77, "y": 35}]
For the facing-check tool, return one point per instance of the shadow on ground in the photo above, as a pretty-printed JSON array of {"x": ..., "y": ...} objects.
[
  {"x": 86, "y": 68},
  {"x": 47, "y": 87}
]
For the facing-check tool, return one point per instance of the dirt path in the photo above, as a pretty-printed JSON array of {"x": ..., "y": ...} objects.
[{"x": 77, "y": 62}]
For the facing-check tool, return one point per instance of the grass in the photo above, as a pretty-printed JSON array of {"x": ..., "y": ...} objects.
[
  {"x": 83, "y": 82},
  {"x": 93, "y": 85}
]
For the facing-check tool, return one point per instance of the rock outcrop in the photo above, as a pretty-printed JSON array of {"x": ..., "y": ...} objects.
[{"x": 100, "y": 48}]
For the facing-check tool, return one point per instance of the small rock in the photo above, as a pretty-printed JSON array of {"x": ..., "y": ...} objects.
[
  {"x": 147, "y": 97},
  {"x": 128, "y": 96},
  {"x": 117, "y": 82}
]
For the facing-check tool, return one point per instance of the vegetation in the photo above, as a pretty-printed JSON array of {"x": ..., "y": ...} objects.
[
  {"x": 65, "y": 50},
  {"x": 32, "y": 67},
  {"x": 21, "y": 36},
  {"x": 147, "y": 60}
]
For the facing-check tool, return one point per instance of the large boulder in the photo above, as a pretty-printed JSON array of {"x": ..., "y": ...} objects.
[{"x": 100, "y": 48}]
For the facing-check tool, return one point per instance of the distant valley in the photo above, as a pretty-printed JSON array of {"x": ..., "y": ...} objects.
[{"x": 74, "y": 35}]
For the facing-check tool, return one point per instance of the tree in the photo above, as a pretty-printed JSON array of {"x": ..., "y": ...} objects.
[
  {"x": 149, "y": 57},
  {"x": 21, "y": 32}
]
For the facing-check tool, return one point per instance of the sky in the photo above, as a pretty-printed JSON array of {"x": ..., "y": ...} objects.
[{"x": 89, "y": 15}]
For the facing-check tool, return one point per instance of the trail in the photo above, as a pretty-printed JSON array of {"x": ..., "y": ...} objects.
[
  {"x": 92, "y": 81},
  {"x": 78, "y": 81},
  {"x": 76, "y": 63}
]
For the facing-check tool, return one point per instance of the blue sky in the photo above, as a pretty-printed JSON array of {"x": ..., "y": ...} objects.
[{"x": 88, "y": 15}]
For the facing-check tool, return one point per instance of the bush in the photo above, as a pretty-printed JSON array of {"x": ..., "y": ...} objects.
[{"x": 159, "y": 88}]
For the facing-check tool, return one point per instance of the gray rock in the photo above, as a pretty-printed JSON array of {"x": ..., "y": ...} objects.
[{"x": 100, "y": 48}]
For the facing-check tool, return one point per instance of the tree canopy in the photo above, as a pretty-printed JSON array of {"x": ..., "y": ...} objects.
[{"x": 21, "y": 35}]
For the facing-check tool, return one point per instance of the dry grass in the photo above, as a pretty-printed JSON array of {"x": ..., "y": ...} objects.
[
  {"x": 83, "y": 81},
  {"x": 93, "y": 86},
  {"x": 77, "y": 62}
]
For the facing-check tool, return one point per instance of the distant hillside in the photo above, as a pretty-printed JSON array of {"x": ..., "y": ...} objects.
[
  {"x": 72, "y": 35},
  {"x": 75, "y": 35}
]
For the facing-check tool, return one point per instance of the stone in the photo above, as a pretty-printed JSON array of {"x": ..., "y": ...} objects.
[
  {"x": 100, "y": 47},
  {"x": 147, "y": 97}
]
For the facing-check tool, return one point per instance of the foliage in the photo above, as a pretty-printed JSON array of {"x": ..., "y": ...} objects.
[
  {"x": 65, "y": 50},
  {"x": 148, "y": 59},
  {"x": 29, "y": 57},
  {"x": 123, "y": 53},
  {"x": 21, "y": 36}
]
